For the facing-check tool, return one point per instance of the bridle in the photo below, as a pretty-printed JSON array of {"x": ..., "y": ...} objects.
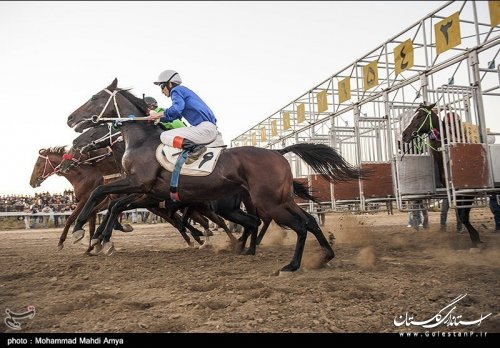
[
  {"x": 112, "y": 96},
  {"x": 91, "y": 160},
  {"x": 432, "y": 134},
  {"x": 117, "y": 121},
  {"x": 47, "y": 164},
  {"x": 112, "y": 137}
]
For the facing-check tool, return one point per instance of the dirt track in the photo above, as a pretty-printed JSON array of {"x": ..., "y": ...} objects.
[{"x": 153, "y": 283}]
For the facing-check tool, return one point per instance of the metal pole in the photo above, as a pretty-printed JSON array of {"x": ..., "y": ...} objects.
[{"x": 474, "y": 64}]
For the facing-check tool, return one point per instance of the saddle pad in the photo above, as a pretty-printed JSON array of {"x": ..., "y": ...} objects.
[{"x": 204, "y": 165}]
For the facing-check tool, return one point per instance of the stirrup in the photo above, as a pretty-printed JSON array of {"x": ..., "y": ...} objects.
[{"x": 195, "y": 153}]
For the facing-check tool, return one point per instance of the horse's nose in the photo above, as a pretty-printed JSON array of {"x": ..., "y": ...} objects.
[{"x": 70, "y": 119}]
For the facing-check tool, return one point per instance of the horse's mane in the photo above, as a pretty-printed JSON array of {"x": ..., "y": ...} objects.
[
  {"x": 59, "y": 150},
  {"x": 138, "y": 102}
]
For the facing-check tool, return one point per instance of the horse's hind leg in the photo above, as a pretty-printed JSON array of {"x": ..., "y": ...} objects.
[
  {"x": 314, "y": 228},
  {"x": 250, "y": 225},
  {"x": 289, "y": 214},
  {"x": 463, "y": 214}
]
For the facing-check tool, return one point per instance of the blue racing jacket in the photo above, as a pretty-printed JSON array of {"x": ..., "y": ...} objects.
[{"x": 187, "y": 104}]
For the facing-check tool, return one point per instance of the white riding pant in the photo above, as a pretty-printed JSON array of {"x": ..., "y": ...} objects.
[{"x": 205, "y": 133}]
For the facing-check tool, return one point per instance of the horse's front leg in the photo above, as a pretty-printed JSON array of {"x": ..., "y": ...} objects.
[
  {"x": 119, "y": 206},
  {"x": 125, "y": 186},
  {"x": 68, "y": 224},
  {"x": 263, "y": 231},
  {"x": 96, "y": 239},
  {"x": 163, "y": 213}
]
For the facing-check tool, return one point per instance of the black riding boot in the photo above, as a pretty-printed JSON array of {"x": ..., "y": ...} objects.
[{"x": 194, "y": 150}]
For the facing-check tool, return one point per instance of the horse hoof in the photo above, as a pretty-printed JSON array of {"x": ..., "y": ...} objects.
[
  {"x": 108, "y": 248},
  {"x": 78, "y": 236},
  {"x": 289, "y": 268},
  {"x": 190, "y": 245},
  {"x": 127, "y": 228},
  {"x": 97, "y": 248},
  {"x": 204, "y": 245},
  {"x": 248, "y": 252},
  {"x": 60, "y": 246},
  {"x": 94, "y": 241},
  {"x": 208, "y": 233}
]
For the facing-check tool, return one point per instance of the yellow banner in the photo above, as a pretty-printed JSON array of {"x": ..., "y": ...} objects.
[
  {"x": 403, "y": 56},
  {"x": 322, "y": 102},
  {"x": 274, "y": 128},
  {"x": 301, "y": 113},
  {"x": 370, "y": 75},
  {"x": 286, "y": 121},
  {"x": 263, "y": 136},
  {"x": 344, "y": 90},
  {"x": 447, "y": 33},
  {"x": 494, "y": 12},
  {"x": 254, "y": 139}
]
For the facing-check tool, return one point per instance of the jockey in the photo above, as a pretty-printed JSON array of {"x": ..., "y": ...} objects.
[
  {"x": 187, "y": 104},
  {"x": 153, "y": 106}
]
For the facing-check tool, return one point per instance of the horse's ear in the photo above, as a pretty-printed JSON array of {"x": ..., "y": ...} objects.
[
  {"x": 42, "y": 152},
  {"x": 113, "y": 84},
  {"x": 432, "y": 106}
]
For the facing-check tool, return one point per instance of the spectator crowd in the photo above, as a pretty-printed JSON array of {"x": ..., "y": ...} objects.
[
  {"x": 56, "y": 205},
  {"x": 21, "y": 203}
]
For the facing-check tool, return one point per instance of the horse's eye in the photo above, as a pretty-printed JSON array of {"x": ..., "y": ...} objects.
[{"x": 94, "y": 97}]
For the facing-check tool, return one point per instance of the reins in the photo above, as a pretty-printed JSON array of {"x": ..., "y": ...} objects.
[{"x": 432, "y": 134}]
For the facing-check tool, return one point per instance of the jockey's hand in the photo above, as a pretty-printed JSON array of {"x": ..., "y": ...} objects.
[{"x": 154, "y": 116}]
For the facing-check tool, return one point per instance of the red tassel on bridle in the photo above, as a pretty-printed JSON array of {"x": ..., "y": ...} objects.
[{"x": 67, "y": 156}]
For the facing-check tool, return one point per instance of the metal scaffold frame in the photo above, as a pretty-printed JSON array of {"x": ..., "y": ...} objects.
[{"x": 361, "y": 109}]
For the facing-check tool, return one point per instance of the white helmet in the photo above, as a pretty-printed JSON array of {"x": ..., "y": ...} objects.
[{"x": 169, "y": 76}]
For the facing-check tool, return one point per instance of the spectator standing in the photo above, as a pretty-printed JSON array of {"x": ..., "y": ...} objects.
[{"x": 27, "y": 216}]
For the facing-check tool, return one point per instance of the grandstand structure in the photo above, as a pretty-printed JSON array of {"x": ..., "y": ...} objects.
[{"x": 449, "y": 57}]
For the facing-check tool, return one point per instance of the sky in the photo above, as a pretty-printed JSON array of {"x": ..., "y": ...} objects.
[{"x": 244, "y": 59}]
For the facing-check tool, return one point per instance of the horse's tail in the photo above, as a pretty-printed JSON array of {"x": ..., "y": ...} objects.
[
  {"x": 302, "y": 191},
  {"x": 325, "y": 161}
]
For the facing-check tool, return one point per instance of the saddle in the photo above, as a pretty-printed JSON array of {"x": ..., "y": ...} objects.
[{"x": 167, "y": 156}]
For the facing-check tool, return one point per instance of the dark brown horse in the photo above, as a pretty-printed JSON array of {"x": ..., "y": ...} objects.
[
  {"x": 228, "y": 207},
  {"x": 264, "y": 174},
  {"x": 84, "y": 179},
  {"x": 425, "y": 124},
  {"x": 106, "y": 136}
]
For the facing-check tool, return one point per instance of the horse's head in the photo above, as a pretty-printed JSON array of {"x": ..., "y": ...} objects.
[
  {"x": 111, "y": 102},
  {"x": 46, "y": 164},
  {"x": 423, "y": 121},
  {"x": 97, "y": 138},
  {"x": 70, "y": 159},
  {"x": 94, "y": 138}
]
